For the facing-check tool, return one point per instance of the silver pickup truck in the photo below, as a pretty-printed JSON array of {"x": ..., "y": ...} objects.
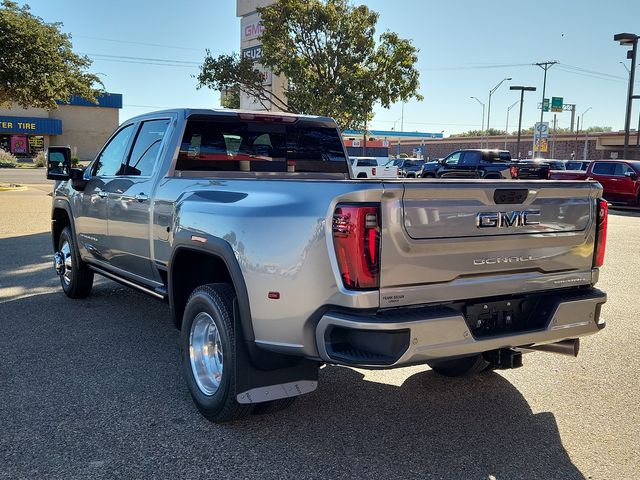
[{"x": 274, "y": 260}]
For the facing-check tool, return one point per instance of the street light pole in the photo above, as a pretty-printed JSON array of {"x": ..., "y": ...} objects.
[
  {"x": 489, "y": 106},
  {"x": 506, "y": 128},
  {"x": 628, "y": 39},
  {"x": 522, "y": 90},
  {"x": 638, "y": 130},
  {"x": 482, "y": 128}
]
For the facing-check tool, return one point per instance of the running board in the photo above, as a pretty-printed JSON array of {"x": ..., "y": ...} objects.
[{"x": 154, "y": 293}]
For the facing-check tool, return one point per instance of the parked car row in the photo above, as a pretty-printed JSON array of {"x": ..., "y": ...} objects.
[{"x": 619, "y": 178}]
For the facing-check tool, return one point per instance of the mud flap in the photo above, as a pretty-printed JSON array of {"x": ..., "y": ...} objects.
[{"x": 266, "y": 376}]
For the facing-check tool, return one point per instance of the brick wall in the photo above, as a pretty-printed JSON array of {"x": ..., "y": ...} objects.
[{"x": 564, "y": 146}]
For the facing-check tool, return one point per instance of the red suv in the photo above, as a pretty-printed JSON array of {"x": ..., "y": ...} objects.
[{"x": 619, "y": 178}]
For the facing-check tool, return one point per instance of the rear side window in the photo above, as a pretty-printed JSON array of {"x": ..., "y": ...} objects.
[
  {"x": 492, "y": 156},
  {"x": 366, "y": 163},
  {"x": 236, "y": 145},
  {"x": 602, "y": 168},
  {"x": 471, "y": 158},
  {"x": 146, "y": 147}
]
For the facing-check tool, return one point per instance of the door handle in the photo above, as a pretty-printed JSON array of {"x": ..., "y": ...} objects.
[
  {"x": 141, "y": 197},
  {"x": 102, "y": 193}
]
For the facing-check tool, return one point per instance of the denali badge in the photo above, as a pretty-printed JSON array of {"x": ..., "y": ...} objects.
[
  {"x": 497, "y": 260},
  {"x": 517, "y": 218}
]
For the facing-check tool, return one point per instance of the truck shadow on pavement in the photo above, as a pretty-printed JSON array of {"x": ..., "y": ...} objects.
[{"x": 93, "y": 388}]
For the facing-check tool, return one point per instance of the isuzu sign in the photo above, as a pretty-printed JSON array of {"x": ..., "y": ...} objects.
[{"x": 517, "y": 218}]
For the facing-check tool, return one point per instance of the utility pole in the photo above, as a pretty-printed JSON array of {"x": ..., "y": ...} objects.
[
  {"x": 545, "y": 66},
  {"x": 522, "y": 90},
  {"x": 628, "y": 40},
  {"x": 489, "y": 107}
]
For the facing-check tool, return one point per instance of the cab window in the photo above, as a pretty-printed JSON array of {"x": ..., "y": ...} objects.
[
  {"x": 111, "y": 158},
  {"x": 453, "y": 159}
]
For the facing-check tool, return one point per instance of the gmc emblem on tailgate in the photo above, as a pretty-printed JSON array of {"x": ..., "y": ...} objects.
[{"x": 518, "y": 218}]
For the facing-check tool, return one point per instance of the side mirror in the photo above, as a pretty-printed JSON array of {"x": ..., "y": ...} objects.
[
  {"x": 631, "y": 175},
  {"x": 59, "y": 163}
]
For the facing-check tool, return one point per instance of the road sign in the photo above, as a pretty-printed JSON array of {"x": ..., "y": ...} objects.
[
  {"x": 541, "y": 145},
  {"x": 556, "y": 104},
  {"x": 541, "y": 130},
  {"x": 545, "y": 105}
]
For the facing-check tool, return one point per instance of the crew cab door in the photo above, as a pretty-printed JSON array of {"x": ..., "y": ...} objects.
[
  {"x": 626, "y": 182},
  {"x": 92, "y": 208},
  {"x": 604, "y": 172},
  {"x": 130, "y": 202},
  {"x": 460, "y": 165}
]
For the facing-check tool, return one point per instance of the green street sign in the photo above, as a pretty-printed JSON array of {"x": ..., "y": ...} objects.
[
  {"x": 556, "y": 104},
  {"x": 545, "y": 105}
]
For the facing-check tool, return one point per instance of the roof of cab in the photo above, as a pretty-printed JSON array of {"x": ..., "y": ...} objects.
[{"x": 187, "y": 112}]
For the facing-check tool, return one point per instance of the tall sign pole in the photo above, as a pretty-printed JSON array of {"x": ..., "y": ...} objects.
[{"x": 545, "y": 66}]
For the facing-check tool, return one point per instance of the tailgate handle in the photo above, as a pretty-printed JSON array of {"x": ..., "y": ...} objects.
[{"x": 510, "y": 196}]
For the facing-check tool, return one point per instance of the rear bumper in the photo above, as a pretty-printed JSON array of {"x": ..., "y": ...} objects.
[{"x": 409, "y": 336}]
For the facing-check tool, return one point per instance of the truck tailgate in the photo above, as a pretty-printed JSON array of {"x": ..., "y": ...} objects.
[{"x": 448, "y": 240}]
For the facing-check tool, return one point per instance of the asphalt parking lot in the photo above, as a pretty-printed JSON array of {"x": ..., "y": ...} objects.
[{"x": 93, "y": 389}]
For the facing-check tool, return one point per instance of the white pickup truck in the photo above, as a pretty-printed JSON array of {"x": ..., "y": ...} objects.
[{"x": 369, "y": 167}]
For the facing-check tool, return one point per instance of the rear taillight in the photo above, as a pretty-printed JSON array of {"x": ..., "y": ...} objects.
[
  {"x": 356, "y": 238},
  {"x": 549, "y": 174},
  {"x": 601, "y": 233},
  {"x": 373, "y": 171},
  {"x": 514, "y": 171}
]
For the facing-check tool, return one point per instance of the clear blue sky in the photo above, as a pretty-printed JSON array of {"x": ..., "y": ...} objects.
[{"x": 462, "y": 47}]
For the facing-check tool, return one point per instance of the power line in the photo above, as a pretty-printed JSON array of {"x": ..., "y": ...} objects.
[
  {"x": 139, "y": 43},
  {"x": 145, "y": 59}
]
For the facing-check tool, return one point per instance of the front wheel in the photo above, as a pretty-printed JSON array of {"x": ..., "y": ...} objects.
[
  {"x": 75, "y": 276},
  {"x": 208, "y": 351},
  {"x": 460, "y": 367}
]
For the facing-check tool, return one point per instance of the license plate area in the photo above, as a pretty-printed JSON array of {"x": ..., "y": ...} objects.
[{"x": 511, "y": 315}]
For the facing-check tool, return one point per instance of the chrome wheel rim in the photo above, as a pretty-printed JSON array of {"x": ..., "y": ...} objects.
[
  {"x": 67, "y": 262},
  {"x": 205, "y": 354}
]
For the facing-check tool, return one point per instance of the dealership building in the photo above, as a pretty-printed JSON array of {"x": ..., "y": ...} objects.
[{"x": 82, "y": 125}]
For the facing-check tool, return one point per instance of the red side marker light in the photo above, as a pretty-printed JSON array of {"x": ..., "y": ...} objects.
[{"x": 274, "y": 295}]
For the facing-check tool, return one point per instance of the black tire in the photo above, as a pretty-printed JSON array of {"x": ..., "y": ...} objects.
[
  {"x": 216, "y": 301},
  {"x": 77, "y": 281},
  {"x": 273, "y": 406},
  {"x": 460, "y": 367},
  {"x": 428, "y": 175},
  {"x": 362, "y": 175}
]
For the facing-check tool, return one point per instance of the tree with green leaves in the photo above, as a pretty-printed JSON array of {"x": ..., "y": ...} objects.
[
  {"x": 328, "y": 52},
  {"x": 37, "y": 63}
]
